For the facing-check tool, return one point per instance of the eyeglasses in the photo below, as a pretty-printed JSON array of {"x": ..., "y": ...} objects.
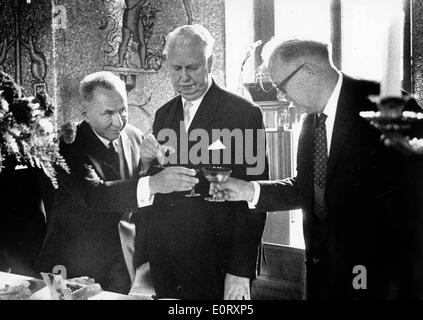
[{"x": 281, "y": 86}]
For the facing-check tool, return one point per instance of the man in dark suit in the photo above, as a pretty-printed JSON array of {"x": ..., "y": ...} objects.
[
  {"x": 199, "y": 249},
  {"x": 352, "y": 189},
  {"x": 90, "y": 231}
]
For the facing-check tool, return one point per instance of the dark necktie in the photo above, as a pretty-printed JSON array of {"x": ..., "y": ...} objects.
[
  {"x": 113, "y": 157},
  {"x": 320, "y": 165}
]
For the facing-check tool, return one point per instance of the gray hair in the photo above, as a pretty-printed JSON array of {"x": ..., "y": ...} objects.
[
  {"x": 296, "y": 49},
  {"x": 193, "y": 34},
  {"x": 101, "y": 79}
]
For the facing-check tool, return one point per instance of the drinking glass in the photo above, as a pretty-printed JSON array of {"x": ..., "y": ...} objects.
[
  {"x": 216, "y": 174},
  {"x": 161, "y": 154},
  {"x": 193, "y": 193}
]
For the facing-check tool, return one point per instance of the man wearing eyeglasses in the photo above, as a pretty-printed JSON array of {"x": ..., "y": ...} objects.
[{"x": 350, "y": 187}]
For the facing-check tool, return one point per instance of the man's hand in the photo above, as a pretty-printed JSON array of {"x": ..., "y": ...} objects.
[
  {"x": 150, "y": 147},
  {"x": 233, "y": 189},
  {"x": 236, "y": 288},
  {"x": 172, "y": 179}
]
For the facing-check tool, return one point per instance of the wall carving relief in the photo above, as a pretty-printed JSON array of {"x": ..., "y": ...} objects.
[
  {"x": 131, "y": 47},
  {"x": 188, "y": 11},
  {"x": 58, "y": 42},
  {"x": 19, "y": 35}
]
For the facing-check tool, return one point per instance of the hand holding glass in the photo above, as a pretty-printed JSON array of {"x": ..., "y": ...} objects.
[
  {"x": 161, "y": 154},
  {"x": 193, "y": 193},
  {"x": 216, "y": 174}
]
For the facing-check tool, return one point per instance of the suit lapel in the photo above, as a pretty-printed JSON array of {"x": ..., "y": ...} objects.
[
  {"x": 344, "y": 120},
  {"x": 174, "y": 118},
  {"x": 127, "y": 154},
  {"x": 97, "y": 151},
  {"x": 204, "y": 117},
  {"x": 208, "y": 109}
]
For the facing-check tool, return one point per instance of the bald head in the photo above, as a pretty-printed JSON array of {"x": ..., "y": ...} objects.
[
  {"x": 300, "y": 51},
  {"x": 303, "y": 71}
]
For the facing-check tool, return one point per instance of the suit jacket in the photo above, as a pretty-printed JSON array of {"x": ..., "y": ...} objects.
[
  {"x": 365, "y": 195},
  {"x": 82, "y": 234},
  {"x": 192, "y": 243}
]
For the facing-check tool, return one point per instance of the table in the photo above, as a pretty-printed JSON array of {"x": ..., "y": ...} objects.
[{"x": 43, "y": 293}]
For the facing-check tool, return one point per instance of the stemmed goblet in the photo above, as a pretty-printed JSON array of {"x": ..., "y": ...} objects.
[
  {"x": 216, "y": 174},
  {"x": 161, "y": 154}
]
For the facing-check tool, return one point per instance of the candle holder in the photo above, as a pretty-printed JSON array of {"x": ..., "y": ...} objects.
[
  {"x": 400, "y": 129},
  {"x": 391, "y": 107}
]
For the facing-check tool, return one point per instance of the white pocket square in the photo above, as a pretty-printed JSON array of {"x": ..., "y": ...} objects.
[{"x": 217, "y": 145}]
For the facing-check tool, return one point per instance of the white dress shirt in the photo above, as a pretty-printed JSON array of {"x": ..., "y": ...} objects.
[
  {"x": 330, "y": 111},
  {"x": 195, "y": 104},
  {"x": 144, "y": 198}
]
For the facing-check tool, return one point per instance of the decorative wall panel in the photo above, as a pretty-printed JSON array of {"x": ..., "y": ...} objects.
[
  {"x": 26, "y": 43},
  {"x": 54, "y": 44}
]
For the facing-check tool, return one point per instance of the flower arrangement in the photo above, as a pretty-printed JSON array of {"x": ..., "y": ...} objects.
[{"x": 27, "y": 133}]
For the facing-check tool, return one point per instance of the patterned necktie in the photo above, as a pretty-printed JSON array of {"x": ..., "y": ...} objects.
[
  {"x": 320, "y": 165},
  {"x": 113, "y": 157},
  {"x": 187, "y": 107}
]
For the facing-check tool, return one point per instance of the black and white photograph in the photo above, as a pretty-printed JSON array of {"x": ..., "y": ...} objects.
[{"x": 221, "y": 154}]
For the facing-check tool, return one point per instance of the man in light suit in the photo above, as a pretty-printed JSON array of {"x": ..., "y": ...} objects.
[
  {"x": 352, "y": 189},
  {"x": 199, "y": 249},
  {"x": 90, "y": 232}
]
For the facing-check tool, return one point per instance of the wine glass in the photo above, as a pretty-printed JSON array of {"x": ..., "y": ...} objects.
[
  {"x": 193, "y": 193},
  {"x": 216, "y": 174},
  {"x": 161, "y": 154}
]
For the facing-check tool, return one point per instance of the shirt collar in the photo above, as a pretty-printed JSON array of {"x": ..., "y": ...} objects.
[
  {"x": 330, "y": 107},
  {"x": 196, "y": 102},
  {"x": 104, "y": 140}
]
